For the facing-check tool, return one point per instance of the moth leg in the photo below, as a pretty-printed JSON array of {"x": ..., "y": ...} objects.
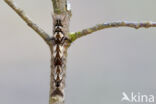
[{"x": 65, "y": 39}]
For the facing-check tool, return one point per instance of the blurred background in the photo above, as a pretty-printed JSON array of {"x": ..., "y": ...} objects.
[{"x": 100, "y": 66}]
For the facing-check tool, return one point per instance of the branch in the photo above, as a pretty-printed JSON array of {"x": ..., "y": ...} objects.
[
  {"x": 61, "y": 6},
  {"x": 29, "y": 22},
  {"x": 84, "y": 32}
]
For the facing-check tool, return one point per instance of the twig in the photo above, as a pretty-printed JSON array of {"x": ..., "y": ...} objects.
[
  {"x": 29, "y": 22},
  {"x": 84, "y": 32}
]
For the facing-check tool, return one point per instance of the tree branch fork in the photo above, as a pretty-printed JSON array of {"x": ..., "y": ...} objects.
[{"x": 75, "y": 35}]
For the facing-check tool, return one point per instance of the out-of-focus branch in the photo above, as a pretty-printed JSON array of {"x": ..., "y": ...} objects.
[
  {"x": 29, "y": 22},
  {"x": 84, "y": 32}
]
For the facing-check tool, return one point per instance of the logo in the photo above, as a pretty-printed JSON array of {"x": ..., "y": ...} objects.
[{"x": 137, "y": 98}]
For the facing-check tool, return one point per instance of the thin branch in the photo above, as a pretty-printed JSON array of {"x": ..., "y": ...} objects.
[
  {"x": 29, "y": 22},
  {"x": 84, "y": 32}
]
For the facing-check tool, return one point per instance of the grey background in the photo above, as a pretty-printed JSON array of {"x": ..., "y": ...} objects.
[{"x": 100, "y": 66}]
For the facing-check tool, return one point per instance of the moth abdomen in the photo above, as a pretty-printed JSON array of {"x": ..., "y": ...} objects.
[{"x": 56, "y": 92}]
